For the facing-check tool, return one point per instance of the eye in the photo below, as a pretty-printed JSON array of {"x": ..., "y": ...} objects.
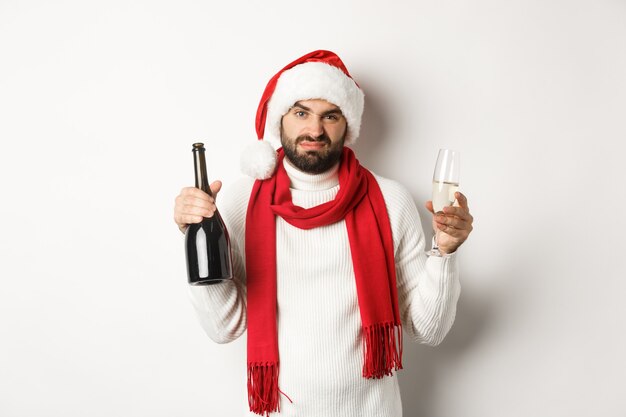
[
  {"x": 333, "y": 117},
  {"x": 299, "y": 113}
]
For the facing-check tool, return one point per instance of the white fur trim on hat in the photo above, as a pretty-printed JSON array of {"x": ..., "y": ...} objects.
[
  {"x": 315, "y": 80},
  {"x": 258, "y": 160}
]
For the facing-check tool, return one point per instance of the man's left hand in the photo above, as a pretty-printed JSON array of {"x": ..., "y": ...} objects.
[{"x": 453, "y": 226}]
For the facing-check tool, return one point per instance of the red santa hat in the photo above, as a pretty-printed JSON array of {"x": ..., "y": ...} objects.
[{"x": 316, "y": 75}]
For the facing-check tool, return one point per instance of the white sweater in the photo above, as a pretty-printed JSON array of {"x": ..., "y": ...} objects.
[{"x": 319, "y": 324}]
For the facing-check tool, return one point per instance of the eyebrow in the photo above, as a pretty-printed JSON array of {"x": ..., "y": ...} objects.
[{"x": 336, "y": 110}]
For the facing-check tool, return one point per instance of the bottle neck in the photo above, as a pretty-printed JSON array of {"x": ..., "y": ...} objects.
[{"x": 199, "y": 162}]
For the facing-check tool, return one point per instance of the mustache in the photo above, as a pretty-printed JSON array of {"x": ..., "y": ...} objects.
[{"x": 322, "y": 138}]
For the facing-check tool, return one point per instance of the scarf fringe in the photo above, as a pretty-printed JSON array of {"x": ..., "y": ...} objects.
[
  {"x": 263, "y": 392},
  {"x": 382, "y": 349}
]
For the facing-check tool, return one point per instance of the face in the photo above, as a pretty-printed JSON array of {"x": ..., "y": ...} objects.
[{"x": 312, "y": 135}]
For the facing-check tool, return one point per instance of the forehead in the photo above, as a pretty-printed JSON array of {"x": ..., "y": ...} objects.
[{"x": 317, "y": 105}]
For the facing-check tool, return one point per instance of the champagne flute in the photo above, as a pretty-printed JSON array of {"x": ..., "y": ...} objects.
[{"x": 445, "y": 184}]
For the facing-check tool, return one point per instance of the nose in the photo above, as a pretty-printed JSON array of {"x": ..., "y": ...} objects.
[{"x": 314, "y": 127}]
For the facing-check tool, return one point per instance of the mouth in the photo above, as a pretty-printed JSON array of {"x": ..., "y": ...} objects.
[{"x": 310, "y": 145}]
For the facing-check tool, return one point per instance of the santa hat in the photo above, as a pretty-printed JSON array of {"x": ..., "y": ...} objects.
[{"x": 316, "y": 75}]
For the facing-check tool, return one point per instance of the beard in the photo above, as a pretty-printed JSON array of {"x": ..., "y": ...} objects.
[{"x": 313, "y": 161}]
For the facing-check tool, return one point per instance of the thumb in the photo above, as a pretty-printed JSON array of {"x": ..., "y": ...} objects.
[
  {"x": 216, "y": 186},
  {"x": 429, "y": 206}
]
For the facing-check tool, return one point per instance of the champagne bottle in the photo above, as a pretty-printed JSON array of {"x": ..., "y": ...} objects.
[{"x": 207, "y": 245}]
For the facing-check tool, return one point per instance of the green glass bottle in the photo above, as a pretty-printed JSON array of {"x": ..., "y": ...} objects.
[{"x": 207, "y": 245}]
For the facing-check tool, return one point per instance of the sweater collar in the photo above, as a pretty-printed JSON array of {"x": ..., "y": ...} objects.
[{"x": 311, "y": 182}]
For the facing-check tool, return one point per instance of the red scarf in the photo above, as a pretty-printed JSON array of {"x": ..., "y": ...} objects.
[{"x": 360, "y": 203}]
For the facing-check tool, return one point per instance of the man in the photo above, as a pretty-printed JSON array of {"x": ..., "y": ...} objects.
[{"x": 329, "y": 259}]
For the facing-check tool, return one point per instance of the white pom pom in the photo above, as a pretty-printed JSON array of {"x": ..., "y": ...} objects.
[{"x": 258, "y": 160}]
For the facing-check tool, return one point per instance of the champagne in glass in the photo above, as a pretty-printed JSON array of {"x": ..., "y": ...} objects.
[
  {"x": 443, "y": 194},
  {"x": 445, "y": 184}
]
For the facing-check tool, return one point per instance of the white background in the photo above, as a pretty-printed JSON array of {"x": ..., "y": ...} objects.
[{"x": 101, "y": 101}]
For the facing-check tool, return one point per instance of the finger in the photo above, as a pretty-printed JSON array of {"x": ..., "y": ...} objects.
[
  {"x": 452, "y": 221},
  {"x": 216, "y": 186},
  {"x": 194, "y": 192},
  {"x": 198, "y": 211},
  {"x": 429, "y": 206},
  {"x": 203, "y": 208},
  {"x": 182, "y": 219},
  {"x": 458, "y": 234},
  {"x": 189, "y": 219},
  {"x": 458, "y": 212},
  {"x": 178, "y": 219},
  {"x": 197, "y": 202},
  {"x": 460, "y": 197},
  {"x": 186, "y": 219},
  {"x": 193, "y": 206}
]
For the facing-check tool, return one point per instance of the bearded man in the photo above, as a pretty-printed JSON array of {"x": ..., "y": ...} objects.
[{"x": 329, "y": 259}]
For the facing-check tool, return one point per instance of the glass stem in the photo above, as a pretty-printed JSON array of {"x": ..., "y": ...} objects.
[{"x": 435, "y": 248}]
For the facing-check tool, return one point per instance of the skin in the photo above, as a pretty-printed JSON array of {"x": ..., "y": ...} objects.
[
  {"x": 192, "y": 204},
  {"x": 453, "y": 225},
  {"x": 313, "y": 133}
]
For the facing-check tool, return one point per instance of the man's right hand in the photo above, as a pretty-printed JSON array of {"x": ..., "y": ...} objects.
[{"x": 193, "y": 204}]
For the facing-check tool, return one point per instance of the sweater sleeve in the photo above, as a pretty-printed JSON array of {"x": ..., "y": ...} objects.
[
  {"x": 221, "y": 308},
  {"x": 428, "y": 287}
]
